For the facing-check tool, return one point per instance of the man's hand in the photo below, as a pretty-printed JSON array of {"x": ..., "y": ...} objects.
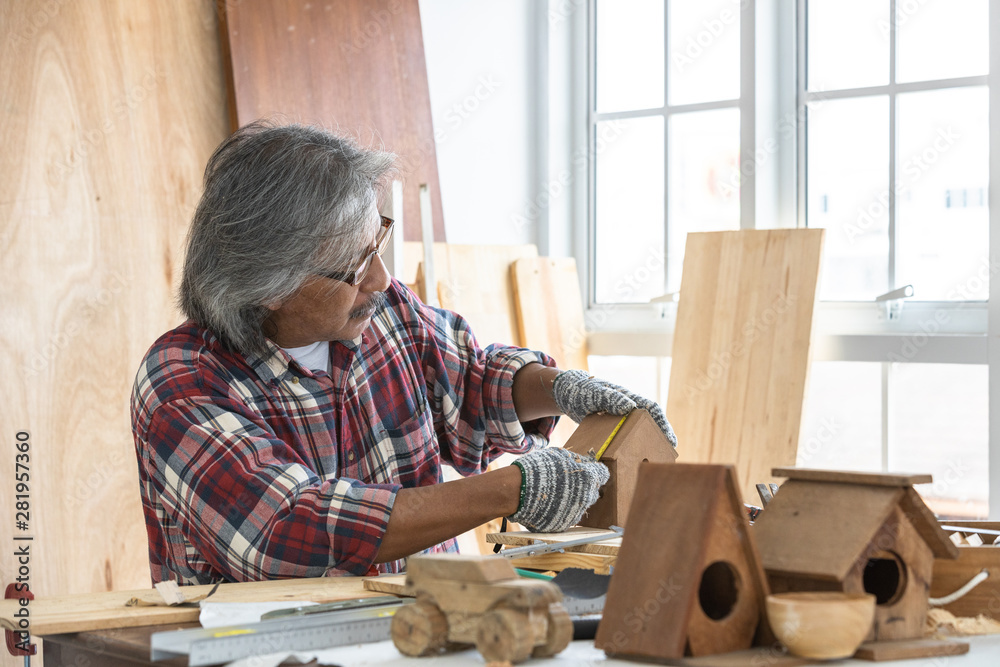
[
  {"x": 557, "y": 487},
  {"x": 578, "y": 394}
]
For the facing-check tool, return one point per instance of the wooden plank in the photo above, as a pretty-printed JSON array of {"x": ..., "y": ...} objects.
[
  {"x": 557, "y": 562},
  {"x": 391, "y": 584},
  {"x": 95, "y": 611},
  {"x": 911, "y": 648},
  {"x": 819, "y": 530},
  {"x": 549, "y": 307},
  {"x": 485, "y": 569},
  {"x": 356, "y": 66},
  {"x": 607, "y": 547},
  {"x": 549, "y": 315},
  {"x": 741, "y": 349},
  {"x": 111, "y": 110},
  {"x": 852, "y": 477}
]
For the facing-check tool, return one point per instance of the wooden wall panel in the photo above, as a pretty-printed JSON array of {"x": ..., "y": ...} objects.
[
  {"x": 110, "y": 109},
  {"x": 354, "y": 66}
]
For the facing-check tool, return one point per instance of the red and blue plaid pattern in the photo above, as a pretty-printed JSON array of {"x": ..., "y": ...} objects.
[{"x": 255, "y": 468}]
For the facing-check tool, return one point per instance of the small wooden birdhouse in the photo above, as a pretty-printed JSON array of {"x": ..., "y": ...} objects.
[
  {"x": 855, "y": 532},
  {"x": 621, "y": 443},
  {"x": 688, "y": 580}
]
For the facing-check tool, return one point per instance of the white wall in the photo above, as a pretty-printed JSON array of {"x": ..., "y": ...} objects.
[{"x": 480, "y": 66}]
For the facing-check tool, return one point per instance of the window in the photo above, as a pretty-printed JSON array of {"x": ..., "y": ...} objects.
[
  {"x": 870, "y": 118},
  {"x": 665, "y": 132}
]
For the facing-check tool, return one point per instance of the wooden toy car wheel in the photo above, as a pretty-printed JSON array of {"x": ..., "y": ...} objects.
[
  {"x": 504, "y": 634},
  {"x": 560, "y": 632},
  {"x": 419, "y": 629}
]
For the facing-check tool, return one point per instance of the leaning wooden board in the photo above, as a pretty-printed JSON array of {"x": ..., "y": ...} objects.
[
  {"x": 356, "y": 66},
  {"x": 96, "y": 611},
  {"x": 741, "y": 348},
  {"x": 549, "y": 309}
]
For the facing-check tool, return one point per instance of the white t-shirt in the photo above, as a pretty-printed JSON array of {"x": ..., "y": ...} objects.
[{"x": 315, "y": 357}]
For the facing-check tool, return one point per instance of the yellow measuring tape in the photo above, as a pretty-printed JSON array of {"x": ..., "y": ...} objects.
[{"x": 610, "y": 438}]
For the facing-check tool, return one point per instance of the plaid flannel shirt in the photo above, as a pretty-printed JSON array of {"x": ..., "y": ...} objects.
[{"x": 255, "y": 468}]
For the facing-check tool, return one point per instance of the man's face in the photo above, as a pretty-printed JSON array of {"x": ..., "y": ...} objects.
[{"x": 327, "y": 309}]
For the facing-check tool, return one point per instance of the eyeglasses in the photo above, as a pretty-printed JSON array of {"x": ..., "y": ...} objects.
[{"x": 355, "y": 277}]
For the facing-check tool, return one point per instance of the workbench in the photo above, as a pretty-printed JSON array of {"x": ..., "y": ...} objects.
[
  {"x": 100, "y": 628},
  {"x": 130, "y": 648}
]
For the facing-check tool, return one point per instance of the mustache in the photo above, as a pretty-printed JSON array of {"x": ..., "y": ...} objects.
[{"x": 369, "y": 307}]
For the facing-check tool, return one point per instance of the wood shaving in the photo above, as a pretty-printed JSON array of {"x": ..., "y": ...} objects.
[{"x": 943, "y": 622}]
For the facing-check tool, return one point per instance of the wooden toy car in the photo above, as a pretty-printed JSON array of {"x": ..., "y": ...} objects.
[{"x": 479, "y": 600}]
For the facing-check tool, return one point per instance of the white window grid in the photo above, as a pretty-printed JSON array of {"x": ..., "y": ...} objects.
[{"x": 770, "y": 35}]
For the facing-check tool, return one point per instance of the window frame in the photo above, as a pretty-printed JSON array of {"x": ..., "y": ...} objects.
[{"x": 770, "y": 32}]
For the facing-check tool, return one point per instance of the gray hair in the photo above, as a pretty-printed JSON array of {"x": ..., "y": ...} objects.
[{"x": 280, "y": 203}]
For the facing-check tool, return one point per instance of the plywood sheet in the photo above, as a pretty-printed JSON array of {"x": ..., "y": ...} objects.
[
  {"x": 111, "y": 109},
  {"x": 78, "y": 613},
  {"x": 549, "y": 308},
  {"x": 741, "y": 348},
  {"x": 353, "y": 66}
]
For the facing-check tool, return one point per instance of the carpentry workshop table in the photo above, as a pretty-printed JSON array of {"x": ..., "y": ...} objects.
[
  {"x": 101, "y": 629},
  {"x": 130, "y": 647}
]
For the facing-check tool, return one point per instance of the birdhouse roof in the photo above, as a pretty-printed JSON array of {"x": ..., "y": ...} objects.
[
  {"x": 613, "y": 437},
  {"x": 819, "y": 524}
]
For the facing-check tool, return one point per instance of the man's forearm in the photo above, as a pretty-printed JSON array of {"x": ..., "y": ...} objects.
[
  {"x": 532, "y": 392},
  {"x": 429, "y": 515}
]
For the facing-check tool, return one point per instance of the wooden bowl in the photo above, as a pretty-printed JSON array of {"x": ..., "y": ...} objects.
[{"x": 824, "y": 626}]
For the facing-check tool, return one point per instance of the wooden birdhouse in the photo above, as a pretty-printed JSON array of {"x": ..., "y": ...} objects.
[
  {"x": 688, "y": 580},
  {"x": 855, "y": 532},
  {"x": 621, "y": 443}
]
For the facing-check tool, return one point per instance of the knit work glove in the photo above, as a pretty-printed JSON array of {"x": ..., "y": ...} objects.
[
  {"x": 578, "y": 394},
  {"x": 557, "y": 487}
]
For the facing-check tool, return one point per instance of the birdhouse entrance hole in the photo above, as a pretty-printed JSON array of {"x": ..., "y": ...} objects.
[
  {"x": 719, "y": 590},
  {"x": 885, "y": 578}
]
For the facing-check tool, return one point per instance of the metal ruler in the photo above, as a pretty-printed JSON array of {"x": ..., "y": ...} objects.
[
  {"x": 213, "y": 646},
  {"x": 540, "y": 547}
]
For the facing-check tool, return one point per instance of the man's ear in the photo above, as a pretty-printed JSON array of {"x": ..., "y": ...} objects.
[{"x": 274, "y": 305}]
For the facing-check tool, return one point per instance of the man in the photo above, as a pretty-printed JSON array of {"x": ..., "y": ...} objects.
[{"x": 296, "y": 424}]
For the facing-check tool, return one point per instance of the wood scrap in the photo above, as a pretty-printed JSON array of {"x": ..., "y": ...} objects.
[
  {"x": 906, "y": 649},
  {"x": 943, "y": 622},
  {"x": 520, "y": 538}
]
